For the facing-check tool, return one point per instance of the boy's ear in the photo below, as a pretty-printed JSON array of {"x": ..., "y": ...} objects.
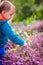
[{"x": 3, "y": 12}]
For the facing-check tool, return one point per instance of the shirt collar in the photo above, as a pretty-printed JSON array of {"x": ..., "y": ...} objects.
[{"x": 2, "y": 18}]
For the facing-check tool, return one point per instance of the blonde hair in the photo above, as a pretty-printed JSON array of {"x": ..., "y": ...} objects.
[{"x": 6, "y": 5}]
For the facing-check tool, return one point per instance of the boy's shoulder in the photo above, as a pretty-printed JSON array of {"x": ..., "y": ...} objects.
[
  {"x": 5, "y": 24},
  {"x": 2, "y": 22}
]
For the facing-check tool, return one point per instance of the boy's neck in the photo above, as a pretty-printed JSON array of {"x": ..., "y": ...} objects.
[{"x": 1, "y": 18}]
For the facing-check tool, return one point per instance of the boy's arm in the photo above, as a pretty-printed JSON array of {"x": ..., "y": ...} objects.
[{"x": 10, "y": 34}]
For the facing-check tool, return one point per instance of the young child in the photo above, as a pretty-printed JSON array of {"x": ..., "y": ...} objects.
[{"x": 6, "y": 12}]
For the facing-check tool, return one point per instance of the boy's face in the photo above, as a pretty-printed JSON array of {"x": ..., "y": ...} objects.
[{"x": 8, "y": 15}]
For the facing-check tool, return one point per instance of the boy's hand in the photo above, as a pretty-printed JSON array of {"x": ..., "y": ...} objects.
[{"x": 25, "y": 44}]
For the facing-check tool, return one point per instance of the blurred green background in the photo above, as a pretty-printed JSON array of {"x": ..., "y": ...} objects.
[{"x": 28, "y": 10}]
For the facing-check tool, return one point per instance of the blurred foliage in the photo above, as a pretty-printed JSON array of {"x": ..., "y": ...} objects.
[
  {"x": 38, "y": 1},
  {"x": 27, "y": 10}
]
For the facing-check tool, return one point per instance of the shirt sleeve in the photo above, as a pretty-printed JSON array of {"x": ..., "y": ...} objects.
[{"x": 11, "y": 35}]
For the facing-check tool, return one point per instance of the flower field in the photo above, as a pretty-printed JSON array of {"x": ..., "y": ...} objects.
[
  {"x": 27, "y": 23},
  {"x": 29, "y": 54}
]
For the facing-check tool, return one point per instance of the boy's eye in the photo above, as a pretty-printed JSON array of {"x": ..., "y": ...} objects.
[{"x": 10, "y": 14}]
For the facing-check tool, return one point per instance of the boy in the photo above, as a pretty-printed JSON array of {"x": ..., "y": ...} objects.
[{"x": 6, "y": 12}]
